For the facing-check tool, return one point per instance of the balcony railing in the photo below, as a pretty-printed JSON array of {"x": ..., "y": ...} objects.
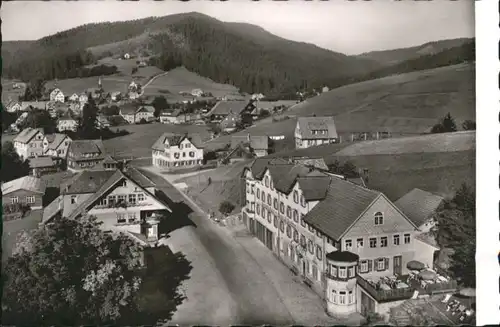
[
  {"x": 125, "y": 205},
  {"x": 441, "y": 287},
  {"x": 385, "y": 295}
]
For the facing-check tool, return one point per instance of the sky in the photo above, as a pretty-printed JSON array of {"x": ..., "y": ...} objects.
[{"x": 350, "y": 27}]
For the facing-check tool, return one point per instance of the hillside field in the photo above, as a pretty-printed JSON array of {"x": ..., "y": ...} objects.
[
  {"x": 8, "y": 91},
  {"x": 180, "y": 79},
  {"x": 138, "y": 143}
]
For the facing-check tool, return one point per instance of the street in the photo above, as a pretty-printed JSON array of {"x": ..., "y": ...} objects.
[{"x": 253, "y": 287}]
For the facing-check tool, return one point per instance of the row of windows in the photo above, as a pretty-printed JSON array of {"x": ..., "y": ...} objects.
[
  {"x": 374, "y": 241},
  {"x": 341, "y": 297},
  {"x": 342, "y": 272},
  {"x": 367, "y": 265},
  {"x": 268, "y": 183},
  {"x": 121, "y": 218},
  {"x": 311, "y": 269},
  {"x": 114, "y": 199},
  {"x": 177, "y": 155},
  {"x": 29, "y": 199}
]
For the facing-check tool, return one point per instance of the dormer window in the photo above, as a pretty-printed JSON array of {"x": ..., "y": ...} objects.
[{"x": 379, "y": 219}]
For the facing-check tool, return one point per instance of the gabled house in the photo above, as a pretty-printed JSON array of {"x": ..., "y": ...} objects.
[
  {"x": 230, "y": 123},
  {"x": 28, "y": 105},
  {"x": 56, "y": 95},
  {"x": 341, "y": 238},
  {"x": 73, "y": 97},
  {"x": 177, "y": 151},
  {"x": 27, "y": 190},
  {"x": 420, "y": 206},
  {"x": 13, "y": 106},
  {"x": 312, "y": 131},
  {"x": 67, "y": 123},
  {"x": 115, "y": 96},
  {"x": 83, "y": 98},
  {"x": 172, "y": 117},
  {"x": 56, "y": 145},
  {"x": 85, "y": 154},
  {"x": 257, "y": 145},
  {"x": 123, "y": 200},
  {"x": 29, "y": 143},
  {"x": 222, "y": 109},
  {"x": 43, "y": 165},
  {"x": 133, "y": 114},
  {"x": 197, "y": 92}
]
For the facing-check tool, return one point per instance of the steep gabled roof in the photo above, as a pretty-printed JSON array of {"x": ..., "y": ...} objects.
[
  {"x": 28, "y": 183},
  {"x": 80, "y": 147},
  {"x": 419, "y": 205},
  {"x": 41, "y": 162},
  {"x": 176, "y": 139},
  {"x": 256, "y": 142},
  {"x": 150, "y": 109},
  {"x": 308, "y": 124},
  {"x": 55, "y": 140},
  {"x": 27, "y": 134},
  {"x": 344, "y": 203},
  {"x": 226, "y": 107}
]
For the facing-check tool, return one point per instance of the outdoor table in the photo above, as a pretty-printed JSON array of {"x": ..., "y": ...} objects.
[{"x": 402, "y": 285}]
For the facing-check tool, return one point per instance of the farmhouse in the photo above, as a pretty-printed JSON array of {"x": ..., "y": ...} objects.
[
  {"x": 29, "y": 143},
  {"x": 67, "y": 123},
  {"x": 257, "y": 145},
  {"x": 311, "y": 131},
  {"x": 13, "y": 106},
  {"x": 56, "y": 95},
  {"x": 56, "y": 145},
  {"x": 42, "y": 165},
  {"x": 85, "y": 154},
  {"x": 177, "y": 151},
  {"x": 197, "y": 92},
  {"x": 133, "y": 114},
  {"x": 420, "y": 206},
  {"x": 340, "y": 238},
  {"x": 230, "y": 123},
  {"x": 73, "y": 97},
  {"x": 123, "y": 200},
  {"x": 223, "y": 108},
  {"x": 27, "y": 190}
]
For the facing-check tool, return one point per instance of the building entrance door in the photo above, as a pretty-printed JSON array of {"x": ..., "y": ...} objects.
[{"x": 396, "y": 265}]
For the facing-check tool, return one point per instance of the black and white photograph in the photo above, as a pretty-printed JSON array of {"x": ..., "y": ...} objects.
[{"x": 282, "y": 163}]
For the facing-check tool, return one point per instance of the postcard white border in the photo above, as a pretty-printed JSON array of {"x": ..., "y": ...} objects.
[{"x": 487, "y": 162}]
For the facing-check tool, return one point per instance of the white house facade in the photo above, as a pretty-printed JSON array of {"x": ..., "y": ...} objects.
[{"x": 174, "y": 152}]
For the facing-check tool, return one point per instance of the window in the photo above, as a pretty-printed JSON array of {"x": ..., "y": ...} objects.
[
  {"x": 334, "y": 296},
  {"x": 275, "y": 221},
  {"x": 364, "y": 266},
  {"x": 396, "y": 239},
  {"x": 289, "y": 231},
  {"x": 311, "y": 229},
  {"x": 318, "y": 233},
  {"x": 263, "y": 196},
  {"x": 248, "y": 187},
  {"x": 30, "y": 199},
  {"x": 73, "y": 199},
  {"x": 288, "y": 212},
  {"x": 319, "y": 252},
  {"x": 295, "y": 196},
  {"x": 295, "y": 235},
  {"x": 407, "y": 238},
  {"x": 360, "y": 242},
  {"x": 132, "y": 217},
  {"x": 380, "y": 264},
  {"x": 310, "y": 245},
  {"x": 269, "y": 199},
  {"x": 266, "y": 181},
  {"x": 379, "y": 218},
  {"x": 140, "y": 197},
  {"x": 342, "y": 272},
  {"x": 348, "y": 244},
  {"x": 258, "y": 194},
  {"x": 111, "y": 200},
  {"x": 275, "y": 204},
  {"x": 303, "y": 240},
  {"x": 315, "y": 272},
  {"x": 258, "y": 209},
  {"x": 351, "y": 272},
  {"x": 373, "y": 242},
  {"x": 351, "y": 297},
  {"x": 103, "y": 202},
  {"x": 302, "y": 222},
  {"x": 263, "y": 212},
  {"x": 120, "y": 218},
  {"x": 15, "y": 199},
  {"x": 282, "y": 226},
  {"x": 295, "y": 215},
  {"x": 303, "y": 201},
  {"x": 383, "y": 241},
  {"x": 252, "y": 189},
  {"x": 282, "y": 207},
  {"x": 132, "y": 198},
  {"x": 333, "y": 270},
  {"x": 269, "y": 216},
  {"x": 121, "y": 198}
]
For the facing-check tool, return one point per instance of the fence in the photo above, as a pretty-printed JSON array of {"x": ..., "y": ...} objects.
[{"x": 385, "y": 295}]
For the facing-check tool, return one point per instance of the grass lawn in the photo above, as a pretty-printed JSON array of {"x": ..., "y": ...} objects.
[
  {"x": 12, "y": 229},
  {"x": 138, "y": 143},
  {"x": 110, "y": 83},
  {"x": 180, "y": 79}
]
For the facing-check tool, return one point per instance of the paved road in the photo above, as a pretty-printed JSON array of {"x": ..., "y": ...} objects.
[
  {"x": 250, "y": 293},
  {"x": 151, "y": 80}
]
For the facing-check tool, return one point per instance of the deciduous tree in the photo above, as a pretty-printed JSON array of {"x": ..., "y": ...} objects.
[{"x": 12, "y": 166}]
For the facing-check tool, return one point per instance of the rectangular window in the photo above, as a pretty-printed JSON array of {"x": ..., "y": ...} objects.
[
  {"x": 364, "y": 266},
  {"x": 252, "y": 188},
  {"x": 248, "y": 187},
  {"x": 258, "y": 193},
  {"x": 351, "y": 272},
  {"x": 282, "y": 226},
  {"x": 288, "y": 212},
  {"x": 380, "y": 264},
  {"x": 266, "y": 181},
  {"x": 343, "y": 272},
  {"x": 373, "y": 242},
  {"x": 288, "y": 231},
  {"x": 407, "y": 238},
  {"x": 282, "y": 207},
  {"x": 263, "y": 212},
  {"x": 269, "y": 216},
  {"x": 303, "y": 240},
  {"x": 302, "y": 222},
  {"x": 132, "y": 217},
  {"x": 120, "y": 218},
  {"x": 103, "y": 202},
  {"x": 73, "y": 199},
  {"x": 295, "y": 196},
  {"x": 319, "y": 252},
  {"x": 383, "y": 241},
  {"x": 140, "y": 197},
  {"x": 275, "y": 204},
  {"x": 275, "y": 221},
  {"x": 334, "y": 296},
  {"x": 111, "y": 200},
  {"x": 269, "y": 199},
  {"x": 303, "y": 201},
  {"x": 351, "y": 297},
  {"x": 258, "y": 209},
  {"x": 132, "y": 198},
  {"x": 360, "y": 242},
  {"x": 310, "y": 245},
  {"x": 348, "y": 245},
  {"x": 263, "y": 196},
  {"x": 295, "y": 215},
  {"x": 121, "y": 198},
  {"x": 396, "y": 239},
  {"x": 15, "y": 200},
  {"x": 333, "y": 270},
  {"x": 315, "y": 272},
  {"x": 30, "y": 199},
  {"x": 295, "y": 235},
  {"x": 311, "y": 229}
]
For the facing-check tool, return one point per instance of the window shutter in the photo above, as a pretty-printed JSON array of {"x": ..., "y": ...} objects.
[
  {"x": 370, "y": 265},
  {"x": 386, "y": 263}
]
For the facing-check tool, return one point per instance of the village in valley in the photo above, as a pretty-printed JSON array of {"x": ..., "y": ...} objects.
[{"x": 159, "y": 194}]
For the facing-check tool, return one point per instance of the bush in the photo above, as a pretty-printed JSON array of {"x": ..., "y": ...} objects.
[{"x": 226, "y": 207}]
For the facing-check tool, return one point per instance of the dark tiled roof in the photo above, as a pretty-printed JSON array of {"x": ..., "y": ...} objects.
[
  {"x": 28, "y": 183},
  {"x": 55, "y": 140},
  {"x": 128, "y": 109},
  {"x": 259, "y": 165},
  {"x": 176, "y": 139},
  {"x": 88, "y": 181},
  {"x": 41, "y": 162},
  {"x": 342, "y": 256},
  {"x": 313, "y": 162},
  {"x": 27, "y": 134},
  {"x": 80, "y": 147},
  {"x": 226, "y": 107},
  {"x": 342, "y": 206},
  {"x": 308, "y": 124},
  {"x": 285, "y": 176},
  {"x": 314, "y": 187},
  {"x": 256, "y": 142},
  {"x": 419, "y": 205}
]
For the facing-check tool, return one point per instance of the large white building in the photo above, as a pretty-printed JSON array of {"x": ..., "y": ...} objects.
[
  {"x": 29, "y": 143},
  {"x": 177, "y": 151},
  {"x": 57, "y": 95},
  {"x": 312, "y": 131},
  {"x": 338, "y": 236}
]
